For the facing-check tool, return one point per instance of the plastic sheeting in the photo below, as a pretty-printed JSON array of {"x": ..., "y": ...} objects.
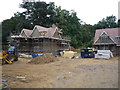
[{"x": 104, "y": 54}]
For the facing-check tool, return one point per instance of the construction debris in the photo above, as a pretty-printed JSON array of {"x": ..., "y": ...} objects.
[
  {"x": 21, "y": 78},
  {"x": 42, "y": 59},
  {"x": 22, "y": 55},
  {"x": 35, "y": 55},
  {"x": 3, "y": 84}
]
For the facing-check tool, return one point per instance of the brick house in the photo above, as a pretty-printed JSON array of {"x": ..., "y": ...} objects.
[
  {"x": 108, "y": 39},
  {"x": 41, "y": 39}
]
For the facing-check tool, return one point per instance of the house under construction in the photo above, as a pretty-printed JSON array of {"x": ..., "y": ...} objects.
[{"x": 41, "y": 39}]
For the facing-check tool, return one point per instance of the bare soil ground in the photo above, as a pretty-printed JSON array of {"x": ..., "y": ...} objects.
[{"x": 63, "y": 73}]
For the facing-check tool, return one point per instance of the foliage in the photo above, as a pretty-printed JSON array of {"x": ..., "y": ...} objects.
[
  {"x": 108, "y": 22},
  {"x": 46, "y": 14}
]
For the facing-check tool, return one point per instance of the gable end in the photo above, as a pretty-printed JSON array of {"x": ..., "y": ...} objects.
[{"x": 104, "y": 39}]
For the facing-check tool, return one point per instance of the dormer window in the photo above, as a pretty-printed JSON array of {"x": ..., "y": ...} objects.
[{"x": 43, "y": 33}]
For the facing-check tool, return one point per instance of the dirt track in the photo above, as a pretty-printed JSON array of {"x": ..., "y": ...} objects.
[{"x": 65, "y": 73}]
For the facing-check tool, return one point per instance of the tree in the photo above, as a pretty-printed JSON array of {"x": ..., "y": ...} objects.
[
  {"x": 39, "y": 13},
  {"x": 88, "y": 32},
  {"x": 108, "y": 22}
]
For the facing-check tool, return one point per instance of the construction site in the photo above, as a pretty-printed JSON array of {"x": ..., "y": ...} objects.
[
  {"x": 41, "y": 58},
  {"x": 48, "y": 71}
]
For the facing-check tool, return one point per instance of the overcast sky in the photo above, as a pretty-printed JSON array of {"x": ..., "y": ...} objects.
[{"x": 89, "y": 11}]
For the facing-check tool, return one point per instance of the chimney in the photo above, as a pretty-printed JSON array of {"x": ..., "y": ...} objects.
[{"x": 53, "y": 26}]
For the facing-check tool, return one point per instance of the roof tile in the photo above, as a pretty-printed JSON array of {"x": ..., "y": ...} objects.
[{"x": 112, "y": 32}]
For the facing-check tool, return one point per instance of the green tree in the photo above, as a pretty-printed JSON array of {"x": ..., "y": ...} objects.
[
  {"x": 88, "y": 32},
  {"x": 108, "y": 22},
  {"x": 39, "y": 13}
]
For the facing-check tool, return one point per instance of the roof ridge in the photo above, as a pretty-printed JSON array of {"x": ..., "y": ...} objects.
[
  {"x": 39, "y": 26},
  {"x": 27, "y": 29},
  {"x": 107, "y": 28}
]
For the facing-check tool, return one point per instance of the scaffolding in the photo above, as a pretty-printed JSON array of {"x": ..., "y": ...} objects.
[{"x": 41, "y": 44}]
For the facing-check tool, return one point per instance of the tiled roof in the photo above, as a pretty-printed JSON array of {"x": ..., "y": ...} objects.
[
  {"x": 49, "y": 31},
  {"x": 112, "y": 32},
  {"x": 40, "y": 28},
  {"x": 27, "y": 32}
]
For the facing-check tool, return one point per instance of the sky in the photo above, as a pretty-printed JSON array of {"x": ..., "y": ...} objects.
[{"x": 89, "y": 11}]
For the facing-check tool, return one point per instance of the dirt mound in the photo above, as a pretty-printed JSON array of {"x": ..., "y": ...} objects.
[{"x": 42, "y": 59}]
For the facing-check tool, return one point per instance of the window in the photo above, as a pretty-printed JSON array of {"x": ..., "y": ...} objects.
[
  {"x": 42, "y": 33},
  {"x": 118, "y": 39}
]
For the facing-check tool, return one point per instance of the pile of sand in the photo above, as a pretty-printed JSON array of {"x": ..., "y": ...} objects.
[{"x": 46, "y": 58}]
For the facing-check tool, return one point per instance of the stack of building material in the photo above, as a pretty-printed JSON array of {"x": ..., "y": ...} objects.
[
  {"x": 68, "y": 54},
  {"x": 104, "y": 54},
  {"x": 25, "y": 55}
]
